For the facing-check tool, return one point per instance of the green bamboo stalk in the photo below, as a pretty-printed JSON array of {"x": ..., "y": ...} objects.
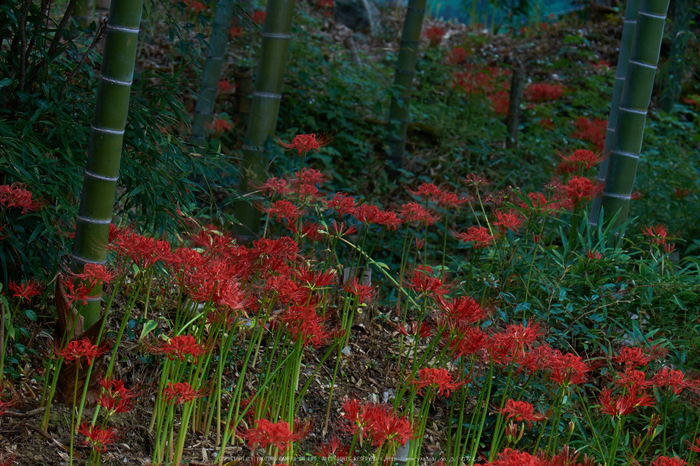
[
  {"x": 82, "y": 13},
  {"x": 263, "y": 113},
  {"x": 634, "y": 102},
  {"x": 104, "y": 152},
  {"x": 628, "y": 28},
  {"x": 216, "y": 52},
  {"x": 403, "y": 80}
]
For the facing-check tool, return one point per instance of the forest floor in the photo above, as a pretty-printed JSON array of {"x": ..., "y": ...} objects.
[{"x": 368, "y": 371}]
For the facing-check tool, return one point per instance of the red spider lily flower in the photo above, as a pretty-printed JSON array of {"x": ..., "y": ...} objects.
[
  {"x": 4, "y": 405},
  {"x": 196, "y": 6},
  {"x": 411, "y": 329},
  {"x": 457, "y": 55},
  {"x": 632, "y": 357},
  {"x": 234, "y": 32},
  {"x": 306, "y": 176},
  {"x": 422, "y": 282},
  {"x": 512, "y": 341},
  {"x": 462, "y": 310},
  {"x": 425, "y": 191},
  {"x": 115, "y": 398},
  {"x": 696, "y": 447},
  {"x": 309, "y": 230},
  {"x": 448, "y": 199},
  {"x": 580, "y": 189},
  {"x": 434, "y": 35},
  {"x": 141, "y": 250},
  {"x": 546, "y": 123},
  {"x": 259, "y": 17},
  {"x": 509, "y": 220},
  {"x": 673, "y": 379},
  {"x": 266, "y": 433},
  {"x": 583, "y": 158},
  {"x": 181, "y": 393},
  {"x": 632, "y": 379},
  {"x": 510, "y": 457},
  {"x": 543, "y": 92},
  {"x": 342, "y": 204},
  {"x": 623, "y": 405},
  {"x": 94, "y": 274},
  {"x": 303, "y": 143},
  {"x": 78, "y": 290},
  {"x": 567, "y": 368},
  {"x": 478, "y": 235},
  {"x": 334, "y": 450},
  {"x": 276, "y": 186},
  {"x": 476, "y": 181},
  {"x": 657, "y": 233},
  {"x": 178, "y": 347},
  {"x": 338, "y": 229},
  {"x": 436, "y": 378},
  {"x": 225, "y": 86},
  {"x": 97, "y": 437},
  {"x": 221, "y": 126},
  {"x": 77, "y": 349},
  {"x": 666, "y": 461},
  {"x": 593, "y": 255},
  {"x": 592, "y": 131},
  {"x": 367, "y": 213},
  {"x": 26, "y": 290},
  {"x": 693, "y": 100},
  {"x": 284, "y": 210},
  {"x": 315, "y": 280},
  {"x": 500, "y": 101},
  {"x": 413, "y": 212},
  {"x": 17, "y": 195},
  {"x": 363, "y": 293},
  {"x": 521, "y": 411},
  {"x": 471, "y": 340},
  {"x": 303, "y": 323},
  {"x": 384, "y": 426}
]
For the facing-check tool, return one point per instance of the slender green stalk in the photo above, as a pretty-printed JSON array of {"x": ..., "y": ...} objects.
[
  {"x": 634, "y": 102},
  {"x": 216, "y": 52},
  {"x": 104, "y": 152},
  {"x": 403, "y": 81},
  {"x": 263, "y": 113},
  {"x": 628, "y": 28}
]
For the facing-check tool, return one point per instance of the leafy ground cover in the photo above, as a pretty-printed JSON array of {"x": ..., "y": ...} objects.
[{"x": 465, "y": 314}]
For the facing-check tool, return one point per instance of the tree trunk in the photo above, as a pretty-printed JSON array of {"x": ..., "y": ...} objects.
[
  {"x": 104, "y": 152},
  {"x": 216, "y": 52},
  {"x": 634, "y": 103},
  {"x": 628, "y": 29},
  {"x": 403, "y": 81},
  {"x": 264, "y": 110}
]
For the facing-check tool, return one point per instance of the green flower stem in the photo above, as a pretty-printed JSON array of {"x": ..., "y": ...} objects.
[{"x": 484, "y": 397}]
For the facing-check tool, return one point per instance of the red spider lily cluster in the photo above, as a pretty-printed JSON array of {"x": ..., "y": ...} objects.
[
  {"x": 580, "y": 159},
  {"x": 543, "y": 92},
  {"x": 115, "y": 397},
  {"x": 591, "y": 131},
  {"x": 266, "y": 433},
  {"x": 221, "y": 126},
  {"x": 303, "y": 143},
  {"x": 656, "y": 233},
  {"x": 434, "y": 35},
  {"x": 436, "y": 378},
  {"x": 26, "y": 290},
  {"x": 521, "y": 411},
  {"x": 17, "y": 196},
  {"x": 181, "y": 393},
  {"x": 490, "y": 82},
  {"x": 77, "y": 349},
  {"x": 97, "y": 437},
  {"x": 375, "y": 421},
  {"x": 179, "y": 347}
]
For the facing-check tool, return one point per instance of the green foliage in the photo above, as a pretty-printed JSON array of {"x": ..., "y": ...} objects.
[{"x": 45, "y": 128}]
